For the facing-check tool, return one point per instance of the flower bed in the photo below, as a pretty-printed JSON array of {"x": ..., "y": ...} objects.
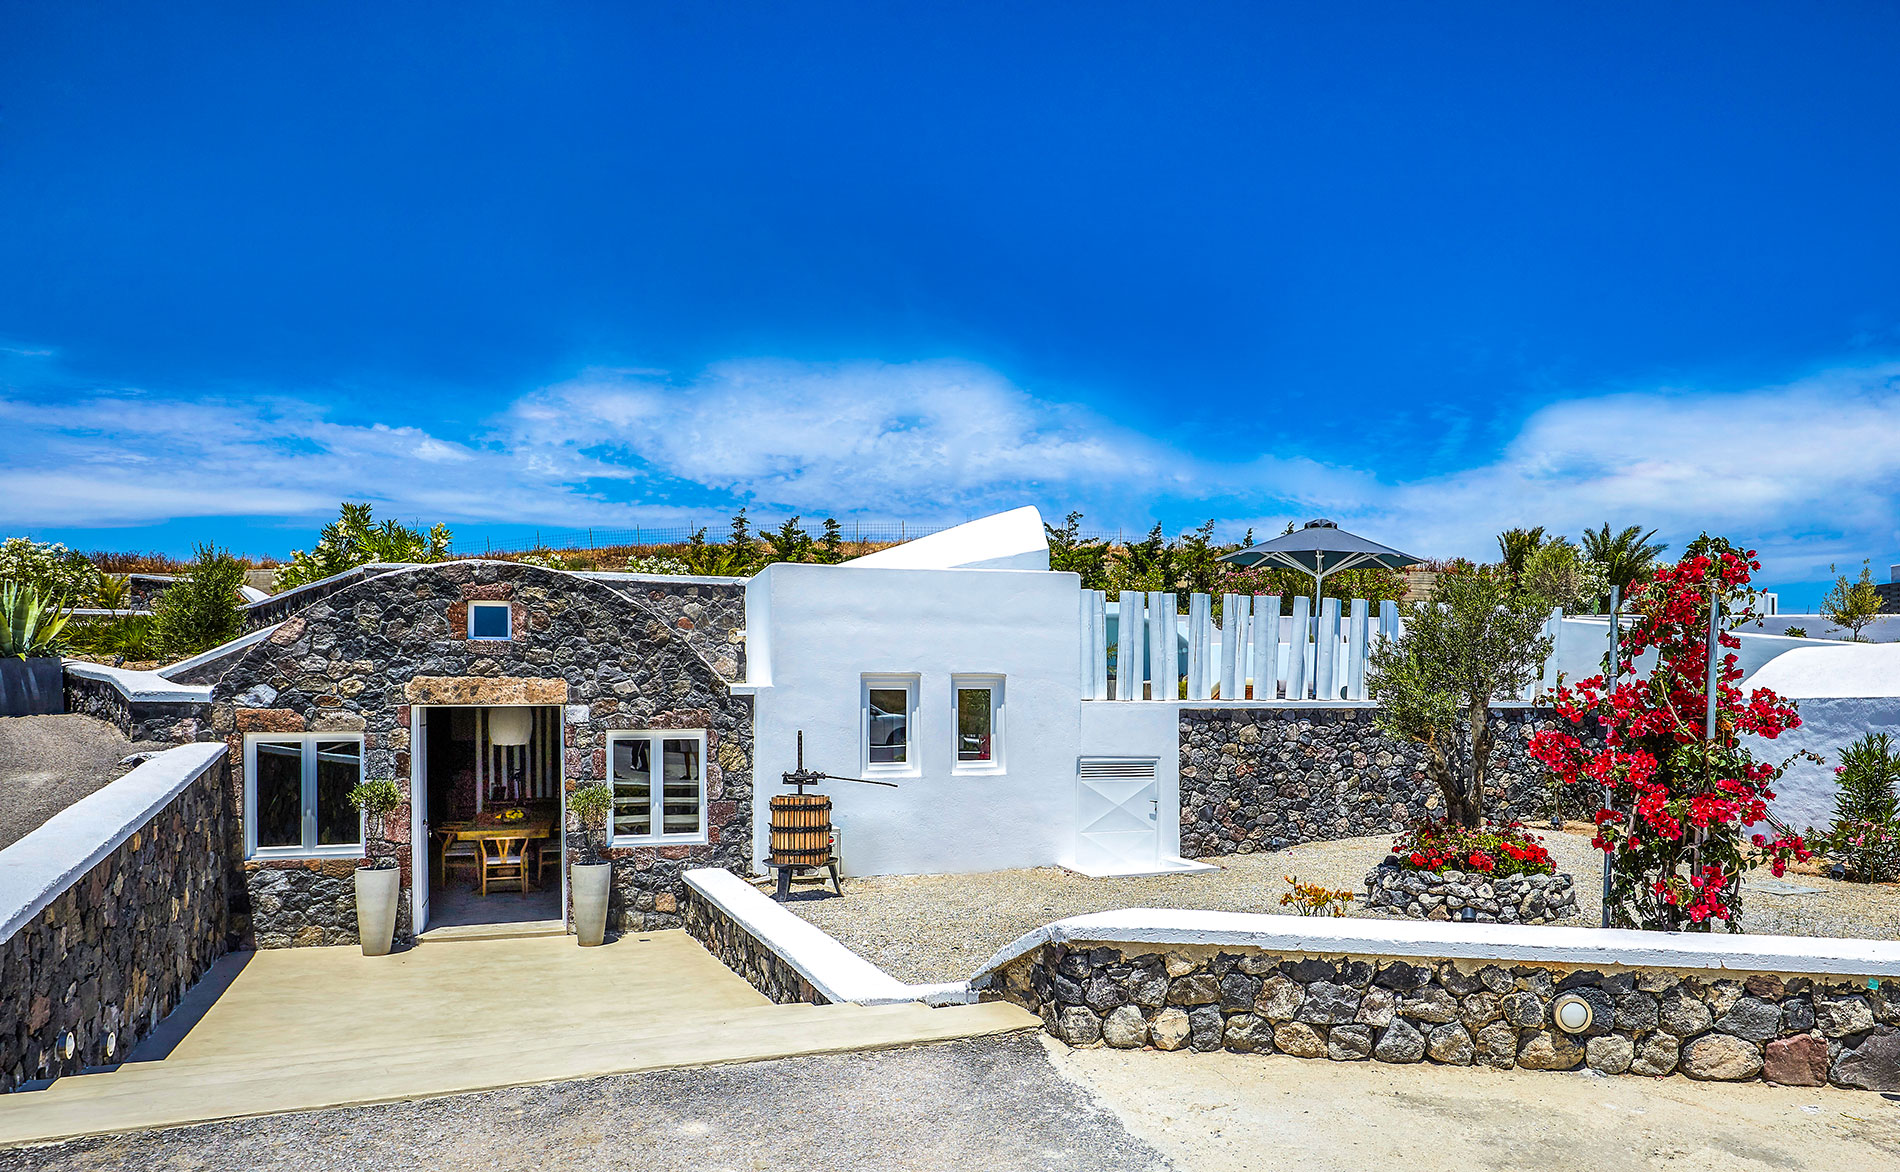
[
  {"x": 1492, "y": 899},
  {"x": 1491, "y": 874}
]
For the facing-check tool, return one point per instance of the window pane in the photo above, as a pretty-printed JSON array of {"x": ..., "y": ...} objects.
[
  {"x": 633, "y": 786},
  {"x": 680, "y": 814},
  {"x": 973, "y": 724},
  {"x": 339, "y": 769},
  {"x": 279, "y": 788},
  {"x": 488, "y": 622},
  {"x": 890, "y": 726}
]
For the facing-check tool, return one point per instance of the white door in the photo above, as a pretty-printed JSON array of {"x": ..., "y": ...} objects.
[
  {"x": 1117, "y": 814},
  {"x": 419, "y": 818}
]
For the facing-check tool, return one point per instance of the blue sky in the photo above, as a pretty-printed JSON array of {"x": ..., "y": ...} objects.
[{"x": 1430, "y": 270}]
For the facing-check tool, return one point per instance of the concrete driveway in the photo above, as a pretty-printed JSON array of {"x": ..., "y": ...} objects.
[
  {"x": 301, "y": 1029},
  {"x": 1019, "y": 1103}
]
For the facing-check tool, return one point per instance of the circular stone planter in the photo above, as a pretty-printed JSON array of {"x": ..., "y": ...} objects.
[{"x": 1443, "y": 895}]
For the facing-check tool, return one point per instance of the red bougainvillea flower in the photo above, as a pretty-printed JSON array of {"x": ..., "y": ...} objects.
[{"x": 1677, "y": 804}]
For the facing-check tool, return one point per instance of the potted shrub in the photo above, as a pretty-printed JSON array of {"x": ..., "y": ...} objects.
[
  {"x": 379, "y": 879},
  {"x": 592, "y": 873},
  {"x": 30, "y": 674}
]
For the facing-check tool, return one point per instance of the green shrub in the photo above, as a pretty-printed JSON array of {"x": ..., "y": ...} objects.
[
  {"x": 200, "y": 610},
  {"x": 590, "y": 805},
  {"x": 52, "y": 570},
  {"x": 376, "y": 799},
  {"x": 355, "y": 539},
  {"x": 1865, "y": 833},
  {"x": 29, "y": 625}
]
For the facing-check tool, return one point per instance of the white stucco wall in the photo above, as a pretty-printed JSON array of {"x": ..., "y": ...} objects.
[
  {"x": 814, "y": 631},
  {"x": 1003, "y": 541},
  {"x": 1844, "y": 691},
  {"x": 1884, "y": 629}
]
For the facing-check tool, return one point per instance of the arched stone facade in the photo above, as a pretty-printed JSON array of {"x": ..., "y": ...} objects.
[{"x": 357, "y": 659}]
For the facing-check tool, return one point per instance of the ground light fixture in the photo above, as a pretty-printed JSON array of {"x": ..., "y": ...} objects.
[
  {"x": 1571, "y": 1013},
  {"x": 1468, "y": 914}
]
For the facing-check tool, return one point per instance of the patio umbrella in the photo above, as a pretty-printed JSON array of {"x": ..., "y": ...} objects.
[{"x": 1320, "y": 548}]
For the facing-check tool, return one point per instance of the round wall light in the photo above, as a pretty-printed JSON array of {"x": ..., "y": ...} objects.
[
  {"x": 68, "y": 1044},
  {"x": 1571, "y": 1013}
]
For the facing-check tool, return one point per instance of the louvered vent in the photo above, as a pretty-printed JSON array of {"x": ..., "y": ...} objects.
[{"x": 1116, "y": 768}]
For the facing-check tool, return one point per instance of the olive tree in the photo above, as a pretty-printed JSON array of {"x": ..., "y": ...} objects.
[{"x": 1478, "y": 638}]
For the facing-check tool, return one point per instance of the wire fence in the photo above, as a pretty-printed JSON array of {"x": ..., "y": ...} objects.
[{"x": 565, "y": 540}]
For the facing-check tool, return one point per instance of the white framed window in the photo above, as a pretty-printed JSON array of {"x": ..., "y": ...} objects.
[
  {"x": 888, "y": 704},
  {"x": 977, "y": 703},
  {"x": 490, "y": 620},
  {"x": 296, "y": 795},
  {"x": 659, "y": 783}
]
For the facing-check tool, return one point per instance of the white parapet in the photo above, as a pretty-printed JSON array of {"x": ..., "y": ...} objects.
[
  {"x": 1420, "y": 940},
  {"x": 839, "y": 974},
  {"x": 36, "y": 869}
]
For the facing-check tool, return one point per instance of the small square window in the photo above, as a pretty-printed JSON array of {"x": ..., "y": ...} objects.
[{"x": 489, "y": 620}]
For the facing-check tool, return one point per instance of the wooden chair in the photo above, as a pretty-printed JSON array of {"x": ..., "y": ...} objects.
[
  {"x": 455, "y": 853},
  {"x": 504, "y": 860},
  {"x": 547, "y": 852}
]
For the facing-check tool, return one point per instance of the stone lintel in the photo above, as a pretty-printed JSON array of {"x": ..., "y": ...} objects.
[{"x": 485, "y": 690}]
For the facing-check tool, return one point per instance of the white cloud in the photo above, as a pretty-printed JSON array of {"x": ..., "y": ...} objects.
[{"x": 1809, "y": 472}]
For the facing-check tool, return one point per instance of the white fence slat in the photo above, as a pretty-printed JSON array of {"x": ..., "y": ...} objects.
[
  {"x": 1233, "y": 636},
  {"x": 1388, "y": 619},
  {"x": 1129, "y": 641},
  {"x": 1357, "y": 640},
  {"x": 1326, "y": 651},
  {"x": 1266, "y": 647},
  {"x": 1098, "y": 645},
  {"x": 1163, "y": 667},
  {"x": 1297, "y": 687},
  {"x": 1200, "y": 635}
]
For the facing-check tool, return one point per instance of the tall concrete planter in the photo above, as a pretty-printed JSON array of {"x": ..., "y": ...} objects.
[
  {"x": 591, "y": 883},
  {"x": 376, "y": 891},
  {"x": 32, "y": 687}
]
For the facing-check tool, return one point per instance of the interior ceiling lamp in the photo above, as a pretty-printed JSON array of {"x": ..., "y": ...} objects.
[
  {"x": 509, "y": 726},
  {"x": 1571, "y": 1013}
]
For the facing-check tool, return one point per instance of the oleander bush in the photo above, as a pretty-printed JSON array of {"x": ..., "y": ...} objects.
[
  {"x": 1865, "y": 834},
  {"x": 1496, "y": 850}
]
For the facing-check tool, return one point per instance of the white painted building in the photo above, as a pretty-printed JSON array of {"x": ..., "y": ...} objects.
[{"x": 959, "y": 668}]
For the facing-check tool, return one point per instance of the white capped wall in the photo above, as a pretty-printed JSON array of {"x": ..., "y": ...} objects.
[
  {"x": 1003, "y": 541},
  {"x": 814, "y": 631},
  {"x": 1844, "y": 690}
]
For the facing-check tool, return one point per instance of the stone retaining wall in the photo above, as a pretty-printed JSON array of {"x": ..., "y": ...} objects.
[
  {"x": 745, "y": 954},
  {"x": 1796, "y": 1031},
  {"x": 112, "y": 953},
  {"x": 138, "y": 720},
  {"x": 1443, "y": 895},
  {"x": 1270, "y": 777}
]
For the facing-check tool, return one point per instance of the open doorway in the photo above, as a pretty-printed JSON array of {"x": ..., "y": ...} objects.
[{"x": 490, "y": 816}]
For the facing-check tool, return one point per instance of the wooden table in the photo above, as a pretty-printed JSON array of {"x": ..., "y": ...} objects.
[{"x": 529, "y": 828}]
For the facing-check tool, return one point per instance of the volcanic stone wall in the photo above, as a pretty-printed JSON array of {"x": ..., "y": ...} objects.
[
  {"x": 356, "y": 660},
  {"x": 1735, "y": 1027},
  {"x": 113, "y": 953},
  {"x": 1268, "y": 777},
  {"x": 138, "y": 720},
  {"x": 746, "y": 954}
]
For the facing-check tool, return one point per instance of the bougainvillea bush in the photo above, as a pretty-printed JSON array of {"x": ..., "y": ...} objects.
[
  {"x": 1682, "y": 815},
  {"x": 1493, "y": 850}
]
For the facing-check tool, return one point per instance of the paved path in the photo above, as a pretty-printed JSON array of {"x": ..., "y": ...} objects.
[
  {"x": 1221, "y": 1112},
  {"x": 1020, "y": 1102},
  {"x": 299, "y": 1029},
  {"x": 992, "y": 1104}
]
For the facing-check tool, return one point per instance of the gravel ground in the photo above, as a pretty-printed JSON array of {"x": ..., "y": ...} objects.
[
  {"x": 991, "y": 1103},
  {"x": 49, "y": 762},
  {"x": 944, "y": 927}
]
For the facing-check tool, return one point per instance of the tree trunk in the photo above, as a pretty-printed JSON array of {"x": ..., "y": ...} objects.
[
  {"x": 1458, "y": 807},
  {"x": 1479, "y": 719}
]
